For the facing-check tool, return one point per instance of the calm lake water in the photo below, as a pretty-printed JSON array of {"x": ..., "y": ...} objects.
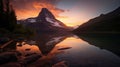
[
  {"x": 71, "y": 51},
  {"x": 58, "y": 50}
]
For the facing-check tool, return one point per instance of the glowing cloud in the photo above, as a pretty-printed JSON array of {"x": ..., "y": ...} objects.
[
  {"x": 71, "y": 12},
  {"x": 31, "y": 8}
]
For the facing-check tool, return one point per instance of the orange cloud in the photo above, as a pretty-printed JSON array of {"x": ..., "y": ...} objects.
[
  {"x": 25, "y": 9},
  {"x": 52, "y": 8},
  {"x": 31, "y": 8}
]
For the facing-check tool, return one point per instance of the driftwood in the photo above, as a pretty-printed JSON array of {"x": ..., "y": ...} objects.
[
  {"x": 6, "y": 44},
  {"x": 64, "y": 48}
]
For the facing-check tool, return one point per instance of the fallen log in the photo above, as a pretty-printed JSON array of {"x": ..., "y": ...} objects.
[
  {"x": 6, "y": 44},
  {"x": 64, "y": 48}
]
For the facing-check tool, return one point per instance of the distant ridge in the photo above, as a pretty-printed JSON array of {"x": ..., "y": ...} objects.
[{"x": 105, "y": 23}]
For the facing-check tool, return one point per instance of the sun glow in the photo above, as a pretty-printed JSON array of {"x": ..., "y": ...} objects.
[
  {"x": 68, "y": 17},
  {"x": 70, "y": 21}
]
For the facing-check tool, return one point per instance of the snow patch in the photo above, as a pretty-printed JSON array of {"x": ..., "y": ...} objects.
[
  {"x": 53, "y": 22},
  {"x": 32, "y": 20}
]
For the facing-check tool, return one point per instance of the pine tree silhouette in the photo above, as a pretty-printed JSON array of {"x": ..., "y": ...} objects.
[{"x": 7, "y": 15}]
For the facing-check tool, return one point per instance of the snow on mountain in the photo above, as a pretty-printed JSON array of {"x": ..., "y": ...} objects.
[
  {"x": 45, "y": 21},
  {"x": 31, "y": 20},
  {"x": 47, "y": 17},
  {"x": 54, "y": 23}
]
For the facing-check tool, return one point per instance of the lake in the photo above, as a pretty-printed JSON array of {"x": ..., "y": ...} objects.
[{"x": 70, "y": 51}]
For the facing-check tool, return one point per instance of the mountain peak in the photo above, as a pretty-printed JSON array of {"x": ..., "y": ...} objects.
[
  {"x": 44, "y": 9},
  {"x": 46, "y": 21},
  {"x": 45, "y": 13}
]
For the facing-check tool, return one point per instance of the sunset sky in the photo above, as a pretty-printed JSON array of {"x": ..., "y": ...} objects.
[{"x": 70, "y": 12}]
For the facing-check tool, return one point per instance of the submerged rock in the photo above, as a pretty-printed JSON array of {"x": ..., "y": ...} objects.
[
  {"x": 60, "y": 64},
  {"x": 7, "y": 57},
  {"x": 11, "y": 64},
  {"x": 30, "y": 59}
]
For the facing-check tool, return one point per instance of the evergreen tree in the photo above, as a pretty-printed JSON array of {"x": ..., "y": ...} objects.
[
  {"x": 13, "y": 19},
  {"x": 2, "y": 14},
  {"x": 1, "y": 7},
  {"x": 7, "y": 15}
]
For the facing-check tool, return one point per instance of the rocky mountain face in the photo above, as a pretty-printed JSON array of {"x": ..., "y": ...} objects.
[
  {"x": 106, "y": 23},
  {"x": 45, "y": 16},
  {"x": 45, "y": 21}
]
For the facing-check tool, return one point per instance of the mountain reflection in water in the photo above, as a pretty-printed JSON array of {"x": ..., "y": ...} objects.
[{"x": 84, "y": 51}]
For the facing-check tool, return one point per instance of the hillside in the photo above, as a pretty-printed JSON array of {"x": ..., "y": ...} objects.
[{"x": 105, "y": 23}]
